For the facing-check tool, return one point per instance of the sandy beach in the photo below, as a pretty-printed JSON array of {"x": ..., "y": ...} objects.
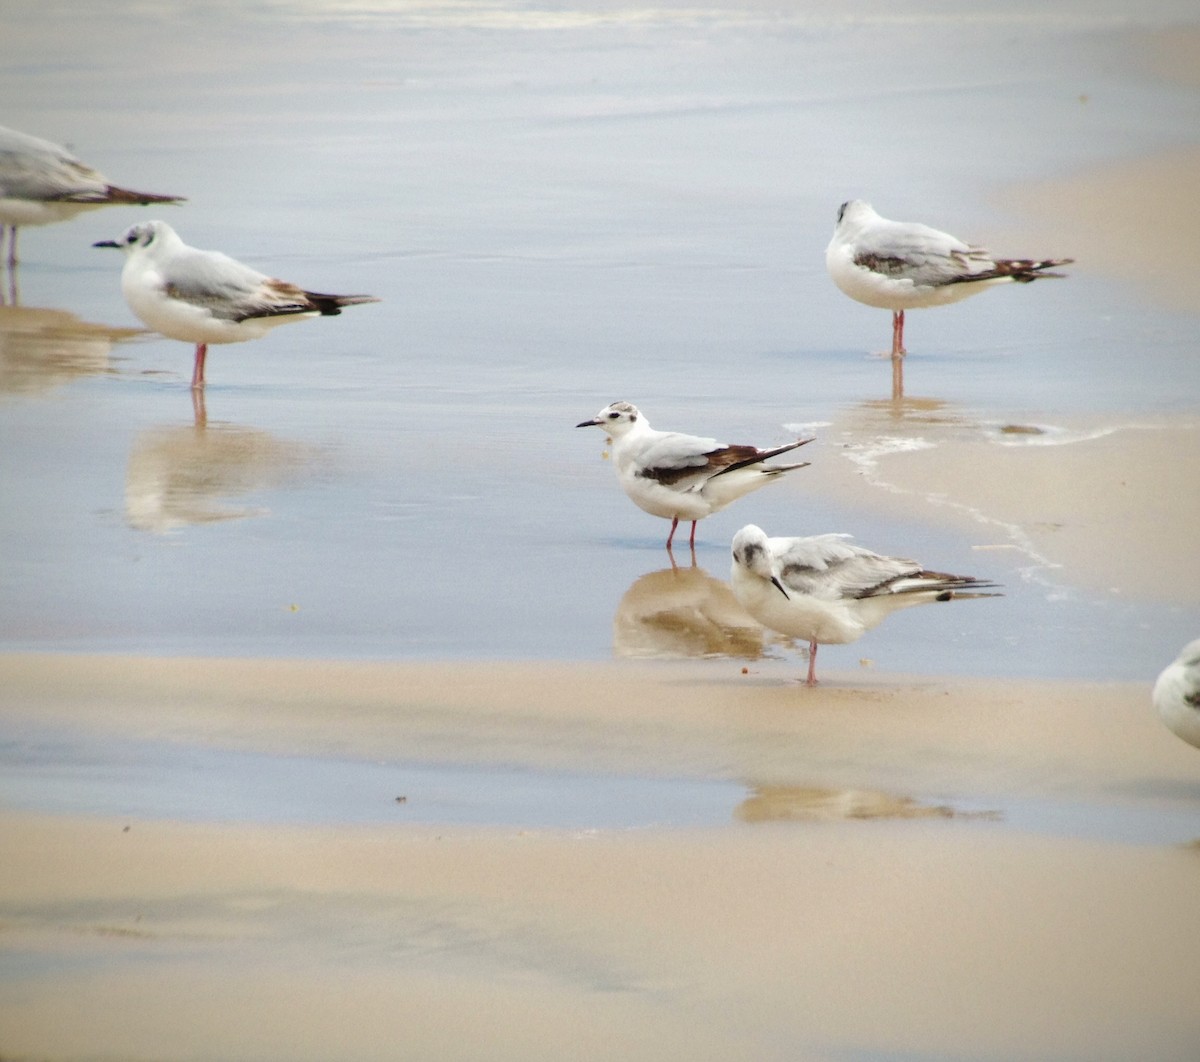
[
  {"x": 870, "y": 894},
  {"x": 354, "y": 716}
]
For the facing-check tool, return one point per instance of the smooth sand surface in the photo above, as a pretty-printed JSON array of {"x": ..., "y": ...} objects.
[
  {"x": 1132, "y": 218},
  {"x": 1107, "y": 503},
  {"x": 856, "y": 903},
  {"x": 1129, "y": 220}
]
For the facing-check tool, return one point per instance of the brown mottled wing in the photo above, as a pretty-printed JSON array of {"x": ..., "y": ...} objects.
[
  {"x": 682, "y": 459},
  {"x": 924, "y": 255}
]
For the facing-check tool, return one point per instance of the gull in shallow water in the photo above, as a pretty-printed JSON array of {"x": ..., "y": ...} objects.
[
  {"x": 1177, "y": 694},
  {"x": 207, "y": 297},
  {"x": 41, "y": 183},
  {"x": 683, "y": 477},
  {"x": 827, "y": 590},
  {"x": 902, "y": 265}
]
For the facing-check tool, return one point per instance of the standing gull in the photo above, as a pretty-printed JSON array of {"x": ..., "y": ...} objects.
[
  {"x": 828, "y": 591},
  {"x": 901, "y": 265},
  {"x": 207, "y": 297},
  {"x": 1177, "y": 694},
  {"x": 41, "y": 183},
  {"x": 683, "y": 477}
]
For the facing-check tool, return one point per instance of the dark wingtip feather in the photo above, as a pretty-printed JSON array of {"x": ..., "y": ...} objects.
[
  {"x": 113, "y": 194},
  {"x": 331, "y": 305}
]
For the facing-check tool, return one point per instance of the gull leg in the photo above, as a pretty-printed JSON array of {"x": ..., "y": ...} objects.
[
  {"x": 898, "y": 350},
  {"x": 812, "y": 664},
  {"x": 692, "y": 540},
  {"x": 10, "y": 267},
  {"x": 671, "y": 536},
  {"x": 898, "y": 353},
  {"x": 198, "y": 371},
  {"x": 199, "y": 411}
]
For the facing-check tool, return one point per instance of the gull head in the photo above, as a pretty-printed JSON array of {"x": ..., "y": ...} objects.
[
  {"x": 752, "y": 554},
  {"x": 617, "y": 419},
  {"x": 140, "y": 237},
  {"x": 854, "y": 212}
]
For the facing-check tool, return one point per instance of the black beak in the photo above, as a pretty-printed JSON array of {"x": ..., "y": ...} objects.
[
  {"x": 587, "y": 423},
  {"x": 106, "y": 243},
  {"x": 779, "y": 587}
]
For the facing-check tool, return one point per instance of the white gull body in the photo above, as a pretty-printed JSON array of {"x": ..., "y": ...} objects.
[
  {"x": 1177, "y": 694},
  {"x": 829, "y": 591},
  {"x": 903, "y": 265},
  {"x": 683, "y": 477},
  {"x": 42, "y": 183},
  {"x": 207, "y": 297}
]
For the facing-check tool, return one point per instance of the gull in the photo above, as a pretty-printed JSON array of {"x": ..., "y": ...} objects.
[
  {"x": 683, "y": 477},
  {"x": 207, "y": 297},
  {"x": 829, "y": 591},
  {"x": 41, "y": 183},
  {"x": 901, "y": 265},
  {"x": 1177, "y": 694}
]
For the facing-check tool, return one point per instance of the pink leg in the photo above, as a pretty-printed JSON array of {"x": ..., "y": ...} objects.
[
  {"x": 199, "y": 412},
  {"x": 692, "y": 540},
  {"x": 671, "y": 536},
  {"x": 812, "y": 664},
  {"x": 198, "y": 371},
  {"x": 898, "y": 355},
  {"x": 898, "y": 350},
  {"x": 12, "y": 244}
]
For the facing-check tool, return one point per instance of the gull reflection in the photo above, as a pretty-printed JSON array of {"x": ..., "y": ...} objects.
[
  {"x": 684, "y": 612},
  {"x": 793, "y": 803},
  {"x": 881, "y": 414},
  {"x": 41, "y": 349},
  {"x": 183, "y": 475}
]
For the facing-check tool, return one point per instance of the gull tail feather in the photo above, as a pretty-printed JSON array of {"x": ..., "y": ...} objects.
[{"x": 1019, "y": 270}]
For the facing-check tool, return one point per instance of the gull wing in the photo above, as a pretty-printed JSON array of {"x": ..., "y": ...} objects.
[
  {"x": 39, "y": 170},
  {"x": 830, "y": 568},
  {"x": 678, "y": 460},
  {"x": 911, "y": 251},
  {"x": 229, "y": 290}
]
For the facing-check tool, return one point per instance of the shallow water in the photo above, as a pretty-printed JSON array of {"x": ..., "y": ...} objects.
[
  {"x": 558, "y": 207},
  {"x": 55, "y": 772}
]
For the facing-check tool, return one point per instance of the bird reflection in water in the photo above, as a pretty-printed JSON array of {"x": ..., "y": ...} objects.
[
  {"x": 184, "y": 475},
  {"x": 684, "y": 612},
  {"x": 41, "y": 349},
  {"x": 896, "y": 413},
  {"x": 795, "y": 803}
]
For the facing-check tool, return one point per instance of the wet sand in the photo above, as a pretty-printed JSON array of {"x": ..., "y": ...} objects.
[
  {"x": 917, "y": 866},
  {"x": 1126, "y": 220},
  {"x": 914, "y": 867},
  {"x": 1103, "y": 503},
  {"x": 869, "y": 894}
]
